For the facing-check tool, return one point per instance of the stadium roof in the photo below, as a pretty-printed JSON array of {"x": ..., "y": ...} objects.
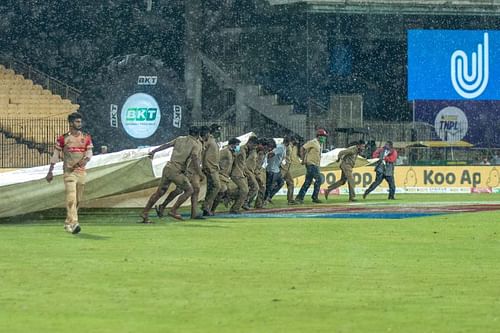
[{"x": 408, "y": 7}]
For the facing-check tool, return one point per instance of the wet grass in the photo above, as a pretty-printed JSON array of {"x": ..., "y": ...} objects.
[{"x": 428, "y": 274}]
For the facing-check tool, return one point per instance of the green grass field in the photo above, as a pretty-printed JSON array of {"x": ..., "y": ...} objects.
[{"x": 429, "y": 274}]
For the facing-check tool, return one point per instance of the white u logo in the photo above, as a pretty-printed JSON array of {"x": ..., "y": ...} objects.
[{"x": 470, "y": 85}]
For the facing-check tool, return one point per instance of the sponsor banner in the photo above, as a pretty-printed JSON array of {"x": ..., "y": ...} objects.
[
  {"x": 420, "y": 179},
  {"x": 113, "y": 115},
  {"x": 140, "y": 116},
  {"x": 177, "y": 116},
  {"x": 453, "y": 65},
  {"x": 144, "y": 80},
  {"x": 481, "y": 190},
  {"x": 476, "y": 122}
]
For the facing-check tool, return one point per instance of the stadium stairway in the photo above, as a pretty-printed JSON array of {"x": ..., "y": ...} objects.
[{"x": 251, "y": 97}]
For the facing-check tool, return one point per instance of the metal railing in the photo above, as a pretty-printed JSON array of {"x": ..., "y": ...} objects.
[
  {"x": 46, "y": 81},
  {"x": 14, "y": 154},
  {"x": 28, "y": 142}
]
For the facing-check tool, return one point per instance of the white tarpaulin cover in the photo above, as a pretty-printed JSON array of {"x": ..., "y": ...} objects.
[{"x": 112, "y": 180}]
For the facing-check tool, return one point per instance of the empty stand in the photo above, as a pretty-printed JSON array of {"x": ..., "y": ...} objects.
[{"x": 29, "y": 114}]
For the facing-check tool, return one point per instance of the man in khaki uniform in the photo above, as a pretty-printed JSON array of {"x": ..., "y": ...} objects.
[
  {"x": 75, "y": 148},
  {"x": 228, "y": 188},
  {"x": 210, "y": 167},
  {"x": 291, "y": 157},
  {"x": 311, "y": 157},
  {"x": 348, "y": 160},
  {"x": 193, "y": 178},
  {"x": 239, "y": 172},
  {"x": 251, "y": 165},
  {"x": 186, "y": 149},
  {"x": 260, "y": 172}
]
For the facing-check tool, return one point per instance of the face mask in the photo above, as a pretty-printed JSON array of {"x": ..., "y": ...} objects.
[
  {"x": 237, "y": 149},
  {"x": 322, "y": 139}
]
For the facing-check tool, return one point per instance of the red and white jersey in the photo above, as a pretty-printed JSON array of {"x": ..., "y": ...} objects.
[{"x": 73, "y": 149}]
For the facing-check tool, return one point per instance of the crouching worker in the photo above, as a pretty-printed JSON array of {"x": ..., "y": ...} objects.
[{"x": 186, "y": 149}]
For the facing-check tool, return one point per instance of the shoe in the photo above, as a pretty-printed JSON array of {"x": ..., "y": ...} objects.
[
  {"x": 317, "y": 201},
  {"x": 246, "y": 207},
  {"x": 198, "y": 217},
  {"x": 175, "y": 216},
  {"x": 392, "y": 198},
  {"x": 145, "y": 220},
  {"x": 76, "y": 229},
  {"x": 326, "y": 193},
  {"x": 291, "y": 202},
  {"x": 299, "y": 202},
  {"x": 207, "y": 213},
  {"x": 159, "y": 211},
  {"x": 353, "y": 200},
  {"x": 365, "y": 194}
]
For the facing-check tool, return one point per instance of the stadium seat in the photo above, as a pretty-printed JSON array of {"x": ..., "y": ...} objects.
[{"x": 31, "y": 114}]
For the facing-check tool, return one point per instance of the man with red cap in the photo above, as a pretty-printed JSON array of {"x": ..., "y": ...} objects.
[{"x": 310, "y": 154}]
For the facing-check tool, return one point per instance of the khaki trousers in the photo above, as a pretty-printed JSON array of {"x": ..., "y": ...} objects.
[
  {"x": 213, "y": 188},
  {"x": 287, "y": 177},
  {"x": 345, "y": 176},
  {"x": 242, "y": 192},
  {"x": 74, "y": 184}
]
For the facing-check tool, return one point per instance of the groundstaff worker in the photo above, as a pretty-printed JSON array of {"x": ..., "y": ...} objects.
[
  {"x": 310, "y": 154},
  {"x": 384, "y": 169},
  {"x": 210, "y": 167},
  {"x": 347, "y": 159},
  {"x": 186, "y": 150}
]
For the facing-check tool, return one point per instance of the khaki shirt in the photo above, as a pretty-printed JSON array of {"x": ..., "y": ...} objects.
[
  {"x": 313, "y": 152},
  {"x": 211, "y": 155},
  {"x": 239, "y": 165},
  {"x": 199, "y": 148},
  {"x": 251, "y": 161},
  {"x": 261, "y": 155},
  {"x": 226, "y": 162},
  {"x": 348, "y": 157},
  {"x": 184, "y": 147},
  {"x": 287, "y": 159}
]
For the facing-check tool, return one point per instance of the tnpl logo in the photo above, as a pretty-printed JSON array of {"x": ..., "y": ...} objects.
[
  {"x": 473, "y": 84},
  {"x": 449, "y": 123},
  {"x": 141, "y": 114}
]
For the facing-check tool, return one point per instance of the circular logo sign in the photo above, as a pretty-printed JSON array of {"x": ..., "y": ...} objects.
[
  {"x": 451, "y": 124},
  {"x": 140, "y": 116}
]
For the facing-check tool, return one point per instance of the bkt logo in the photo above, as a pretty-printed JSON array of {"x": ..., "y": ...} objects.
[
  {"x": 142, "y": 114},
  {"x": 147, "y": 80},
  {"x": 453, "y": 65},
  {"x": 470, "y": 84}
]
